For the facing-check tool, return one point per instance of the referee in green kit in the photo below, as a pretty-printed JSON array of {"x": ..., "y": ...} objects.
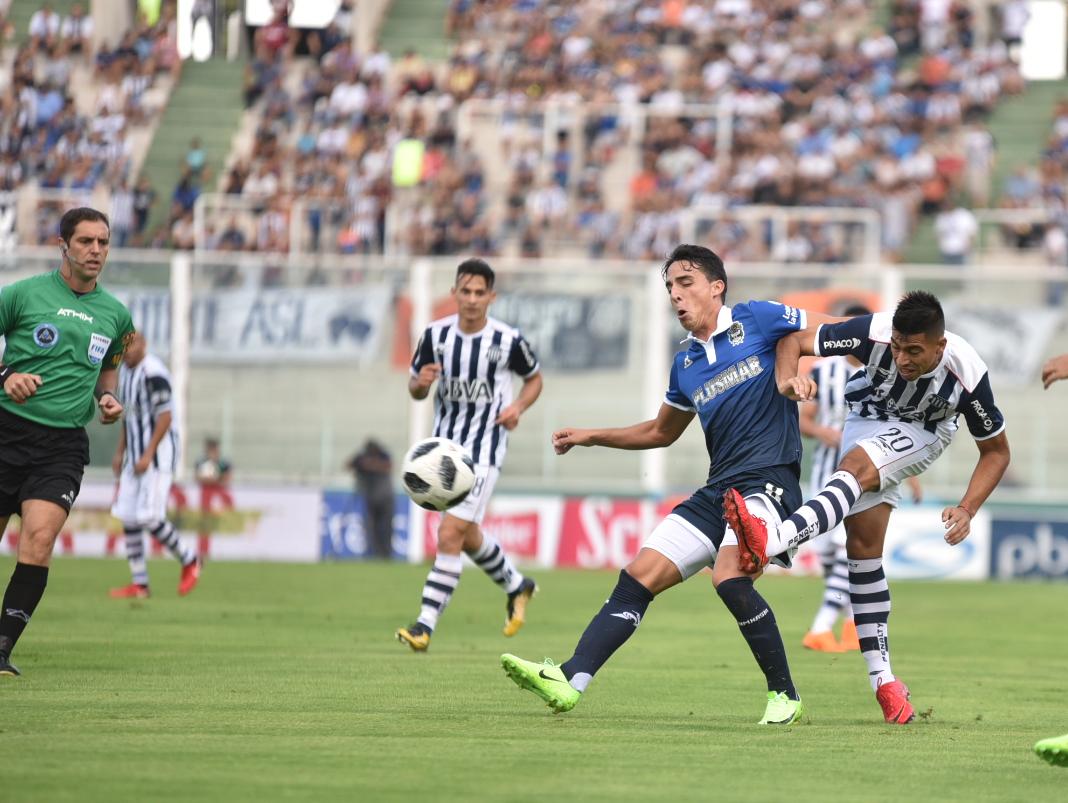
[{"x": 65, "y": 337}]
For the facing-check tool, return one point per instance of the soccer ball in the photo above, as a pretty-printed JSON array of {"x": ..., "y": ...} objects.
[{"x": 437, "y": 473}]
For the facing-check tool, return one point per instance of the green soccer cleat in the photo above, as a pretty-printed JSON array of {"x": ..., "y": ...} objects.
[
  {"x": 782, "y": 710},
  {"x": 1054, "y": 750},
  {"x": 546, "y": 680}
]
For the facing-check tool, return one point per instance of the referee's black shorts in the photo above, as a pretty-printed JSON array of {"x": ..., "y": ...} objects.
[{"x": 39, "y": 462}]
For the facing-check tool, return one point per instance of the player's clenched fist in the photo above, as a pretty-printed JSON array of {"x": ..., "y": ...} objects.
[
  {"x": 20, "y": 387},
  {"x": 564, "y": 439},
  {"x": 798, "y": 388},
  {"x": 1054, "y": 369},
  {"x": 427, "y": 375}
]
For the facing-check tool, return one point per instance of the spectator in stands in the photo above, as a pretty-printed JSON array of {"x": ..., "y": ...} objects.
[
  {"x": 121, "y": 214},
  {"x": 76, "y": 30},
  {"x": 956, "y": 229},
  {"x": 144, "y": 197},
  {"x": 44, "y": 25},
  {"x": 185, "y": 194}
]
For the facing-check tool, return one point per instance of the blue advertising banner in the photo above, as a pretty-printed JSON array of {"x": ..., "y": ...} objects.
[
  {"x": 342, "y": 532},
  {"x": 1029, "y": 548}
]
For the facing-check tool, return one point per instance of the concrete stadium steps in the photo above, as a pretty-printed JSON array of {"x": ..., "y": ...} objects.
[
  {"x": 1021, "y": 126},
  {"x": 418, "y": 25},
  {"x": 206, "y": 103}
]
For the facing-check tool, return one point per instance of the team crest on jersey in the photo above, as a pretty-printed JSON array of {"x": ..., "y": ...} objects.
[
  {"x": 494, "y": 353},
  {"x": 736, "y": 334},
  {"x": 686, "y": 361},
  {"x": 45, "y": 335},
  {"x": 98, "y": 347},
  {"x": 937, "y": 407}
]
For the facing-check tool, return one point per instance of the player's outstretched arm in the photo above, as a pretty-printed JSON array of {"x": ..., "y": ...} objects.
[
  {"x": 661, "y": 431},
  {"x": 1054, "y": 369},
  {"x": 990, "y": 468},
  {"x": 528, "y": 394}
]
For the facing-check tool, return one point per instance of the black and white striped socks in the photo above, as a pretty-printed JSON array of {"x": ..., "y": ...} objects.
[
  {"x": 165, "y": 533},
  {"x": 835, "y": 594},
  {"x": 491, "y": 558},
  {"x": 870, "y": 597},
  {"x": 820, "y": 514},
  {"x": 438, "y": 589},
  {"x": 135, "y": 554}
]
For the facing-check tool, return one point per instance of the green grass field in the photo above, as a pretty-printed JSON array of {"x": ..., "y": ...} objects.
[{"x": 278, "y": 682}]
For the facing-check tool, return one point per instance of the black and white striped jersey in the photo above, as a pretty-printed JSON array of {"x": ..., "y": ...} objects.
[
  {"x": 145, "y": 393},
  {"x": 475, "y": 382},
  {"x": 958, "y": 385},
  {"x": 830, "y": 375}
]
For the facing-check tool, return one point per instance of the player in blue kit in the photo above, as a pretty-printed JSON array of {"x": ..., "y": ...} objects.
[{"x": 726, "y": 378}]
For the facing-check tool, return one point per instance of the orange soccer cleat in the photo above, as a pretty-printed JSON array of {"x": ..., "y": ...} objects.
[
  {"x": 849, "y": 642},
  {"x": 823, "y": 641},
  {"x": 190, "y": 578},
  {"x": 132, "y": 591},
  {"x": 751, "y": 531}
]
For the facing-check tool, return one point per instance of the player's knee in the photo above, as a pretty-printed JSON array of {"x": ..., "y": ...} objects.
[
  {"x": 857, "y": 463},
  {"x": 453, "y": 533}
]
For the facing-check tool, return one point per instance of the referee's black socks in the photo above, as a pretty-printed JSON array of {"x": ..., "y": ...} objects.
[
  {"x": 758, "y": 626},
  {"x": 24, "y": 591}
]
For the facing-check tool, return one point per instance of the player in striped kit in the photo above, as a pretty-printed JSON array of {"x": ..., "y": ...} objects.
[
  {"x": 473, "y": 358},
  {"x": 144, "y": 462},
  {"x": 822, "y": 420},
  {"x": 917, "y": 380}
]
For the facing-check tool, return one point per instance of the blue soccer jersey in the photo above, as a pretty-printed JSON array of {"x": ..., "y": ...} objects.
[{"x": 729, "y": 381}]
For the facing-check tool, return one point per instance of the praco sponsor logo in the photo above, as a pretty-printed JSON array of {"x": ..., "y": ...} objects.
[
  {"x": 73, "y": 313},
  {"x": 725, "y": 380},
  {"x": 465, "y": 390},
  {"x": 848, "y": 343},
  {"x": 982, "y": 413}
]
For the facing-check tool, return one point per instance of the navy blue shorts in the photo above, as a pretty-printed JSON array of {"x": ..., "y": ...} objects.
[{"x": 704, "y": 509}]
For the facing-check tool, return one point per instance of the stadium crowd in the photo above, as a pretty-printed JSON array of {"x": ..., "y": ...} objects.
[
  {"x": 67, "y": 134},
  {"x": 826, "y": 110}
]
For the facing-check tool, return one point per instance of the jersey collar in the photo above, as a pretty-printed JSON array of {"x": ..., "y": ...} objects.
[
  {"x": 60, "y": 281},
  {"x": 723, "y": 323}
]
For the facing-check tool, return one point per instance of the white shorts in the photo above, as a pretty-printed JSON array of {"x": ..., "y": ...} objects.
[
  {"x": 473, "y": 508},
  {"x": 898, "y": 449},
  {"x": 142, "y": 499},
  {"x": 684, "y": 545}
]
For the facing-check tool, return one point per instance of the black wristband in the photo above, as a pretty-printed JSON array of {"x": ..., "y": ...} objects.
[
  {"x": 5, "y": 372},
  {"x": 103, "y": 393}
]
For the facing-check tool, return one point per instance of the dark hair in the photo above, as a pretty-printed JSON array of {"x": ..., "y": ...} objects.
[
  {"x": 72, "y": 217},
  {"x": 705, "y": 260},
  {"x": 476, "y": 267},
  {"x": 919, "y": 313},
  {"x": 853, "y": 310}
]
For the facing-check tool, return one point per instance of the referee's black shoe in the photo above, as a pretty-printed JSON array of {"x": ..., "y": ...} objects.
[{"x": 6, "y": 667}]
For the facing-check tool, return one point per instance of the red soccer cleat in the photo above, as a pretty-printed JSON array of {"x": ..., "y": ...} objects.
[
  {"x": 894, "y": 698},
  {"x": 132, "y": 591},
  {"x": 190, "y": 577},
  {"x": 751, "y": 531}
]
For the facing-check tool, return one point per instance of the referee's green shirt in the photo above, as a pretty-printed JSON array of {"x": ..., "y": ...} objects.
[{"x": 64, "y": 338}]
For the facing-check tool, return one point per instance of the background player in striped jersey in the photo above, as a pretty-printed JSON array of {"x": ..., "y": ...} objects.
[
  {"x": 144, "y": 462},
  {"x": 473, "y": 358},
  {"x": 917, "y": 380},
  {"x": 822, "y": 420}
]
